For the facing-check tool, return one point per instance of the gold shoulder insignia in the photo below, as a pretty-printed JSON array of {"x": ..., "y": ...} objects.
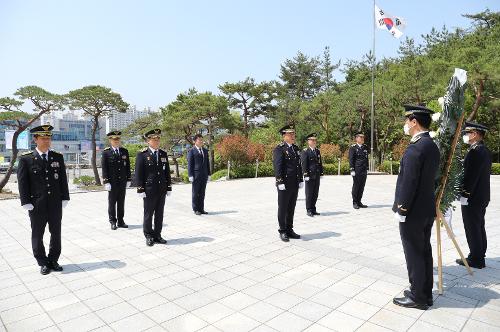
[
  {"x": 26, "y": 153},
  {"x": 353, "y": 145},
  {"x": 415, "y": 140},
  {"x": 54, "y": 151},
  {"x": 144, "y": 150},
  {"x": 107, "y": 148},
  {"x": 281, "y": 144}
]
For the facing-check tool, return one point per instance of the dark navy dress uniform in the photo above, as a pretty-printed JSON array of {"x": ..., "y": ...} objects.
[
  {"x": 43, "y": 183},
  {"x": 288, "y": 172},
  {"x": 358, "y": 162},
  {"x": 476, "y": 188},
  {"x": 152, "y": 176},
  {"x": 415, "y": 200},
  {"x": 115, "y": 164},
  {"x": 199, "y": 170},
  {"x": 312, "y": 168}
]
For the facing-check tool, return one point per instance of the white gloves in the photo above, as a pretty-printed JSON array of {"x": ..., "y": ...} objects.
[
  {"x": 353, "y": 173},
  {"x": 107, "y": 186},
  {"x": 464, "y": 201},
  {"x": 306, "y": 178},
  {"x": 141, "y": 195},
  {"x": 64, "y": 204},
  {"x": 28, "y": 206},
  {"x": 169, "y": 193},
  {"x": 191, "y": 179},
  {"x": 301, "y": 184},
  {"x": 399, "y": 218},
  {"x": 281, "y": 187},
  {"x": 129, "y": 183}
]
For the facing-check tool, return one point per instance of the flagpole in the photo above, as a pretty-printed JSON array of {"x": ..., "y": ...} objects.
[{"x": 373, "y": 93}]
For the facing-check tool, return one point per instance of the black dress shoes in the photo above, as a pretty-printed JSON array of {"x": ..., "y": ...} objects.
[
  {"x": 292, "y": 235},
  {"x": 471, "y": 263},
  {"x": 429, "y": 302},
  {"x": 284, "y": 237},
  {"x": 113, "y": 226},
  {"x": 150, "y": 241},
  {"x": 160, "y": 240},
  {"x": 204, "y": 212},
  {"x": 355, "y": 205},
  {"x": 45, "y": 269},
  {"x": 316, "y": 213},
  {"x": 54, "y": 266},
  {"x": 361, "y": 205},
  {"x": 407, "y": 302},
  {"x": 122, "y": 225},
  {"x": 310, "y": 213},
  {"x": 198, "y": 213}
]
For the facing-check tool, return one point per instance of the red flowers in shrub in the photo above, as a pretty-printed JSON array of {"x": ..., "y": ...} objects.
[{"x": 240, "y": 150}]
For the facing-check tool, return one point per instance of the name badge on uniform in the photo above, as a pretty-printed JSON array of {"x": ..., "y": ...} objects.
[
  {"x": 56, "y": 176},
  {"x": 124, "y": 157},
  {"x": 55, "y": 164},
  {"x": 124, "y": 163},
  {"x": 163, "y": 160},
  {"x": 149, "y": 158}
]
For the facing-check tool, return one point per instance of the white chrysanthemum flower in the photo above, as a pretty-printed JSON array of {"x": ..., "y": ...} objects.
[
  {"x": 433, "y": 134},
  {"x": 436, "y": 116}
]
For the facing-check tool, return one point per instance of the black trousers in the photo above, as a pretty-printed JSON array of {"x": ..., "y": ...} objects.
[
  {"x": 198, "y": 193},
  {"x": 116, "y": 202},
  {"x": 358, "y": 186},
  {"x": 475, "y": 232},
  {"x": 312, "y": 190},
  {"x": 286, "y": 207},
  {"x": 154, "y": 205},
  {"x": 416, "y": 238},
  {"x": 38, "y": 223}
]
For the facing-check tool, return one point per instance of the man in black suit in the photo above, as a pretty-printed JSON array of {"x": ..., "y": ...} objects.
[
  {"x": 358, "y": 163},
  {"x": 414, "y": 206},
  {"x": 288, "y": 173},
  {"x": 152, "y": 175},
  {"x": 475, "y": 193},
  {"x": 312, "y": 169},
  {"x": 115, "y": 164},
  {"x": 199, "y": 173},
  {"x": 43, "y": 189}
]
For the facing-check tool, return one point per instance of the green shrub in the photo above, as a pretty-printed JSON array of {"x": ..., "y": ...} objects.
[
  {"x": 332, "y": 169},
  {"x": 495, "y": 169},
  {"x": 386, "y": 167},
  {"x": 184, "y": 176},
  {"x": 84, "y": 180},
  {"x": 219, "y": 174},
  {"x": 132, "y": 163},
  {"x": 182, "y": 161}
]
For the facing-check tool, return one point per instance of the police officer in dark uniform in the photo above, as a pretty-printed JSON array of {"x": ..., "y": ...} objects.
[
  {"x": 358, "y": 163},
  {"x": 288, "y": 173},
  {"x": 43, "y": 189},
  {"x": 475, "y": 193},
  {"x": 312, "y": 169},
  {"x": 115, "y": 164},
  {"x": 198, "y": 173},
  {"x": 152, "y": 175},
  {"x": 414, "y": 206}
]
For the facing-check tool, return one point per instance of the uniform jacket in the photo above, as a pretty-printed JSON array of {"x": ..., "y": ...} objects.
[
  {"x": 416, "y": 182},
  {"x": 312, "y": 165},
  {"x": 115, "y": 169},
  {"x": 477, "y": 170},
  {"x": 286, "y": 163},
  {"x": 358, "y": 158},
  {"x": 43, "y": 185},
  {"x": 152, "y": 177},
  {"x": 198, "y": 165}
]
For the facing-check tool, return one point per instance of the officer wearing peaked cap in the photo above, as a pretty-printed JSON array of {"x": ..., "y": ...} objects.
[
  {"x": 312, "y": 169},
  {"x": 414, "y": 206},
  {"x": 152, "y": 176},
  {"x": 115, "y": 164},
  {"x": 43, "y": 190},
  {"x": 288, "y": 173},
  {"x": 358, "y": 164},
  {"x": 475, "y": 193}
]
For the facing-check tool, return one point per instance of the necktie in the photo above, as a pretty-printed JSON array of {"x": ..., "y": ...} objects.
[
  {"x": 44, "y": 157},
  {"x": 155, "y": 155},
  {"x": 201, "y": 152}
]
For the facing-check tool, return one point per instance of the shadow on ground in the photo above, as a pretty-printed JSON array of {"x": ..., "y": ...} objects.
[
  {"x": 318, "y": 236},
  {"x": 189, "y": 240},
  {"x": 92, "y": 266}
]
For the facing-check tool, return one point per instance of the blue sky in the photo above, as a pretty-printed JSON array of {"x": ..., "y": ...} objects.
[{"x": 149, "y": 51}]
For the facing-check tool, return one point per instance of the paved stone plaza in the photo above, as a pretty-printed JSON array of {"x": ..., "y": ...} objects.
[{"x": 228, "y": 271}]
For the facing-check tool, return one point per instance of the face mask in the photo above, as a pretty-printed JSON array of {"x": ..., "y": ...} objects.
[
  {"x": 406, "y": 129},
  {"x": 466, "y": 139}
]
